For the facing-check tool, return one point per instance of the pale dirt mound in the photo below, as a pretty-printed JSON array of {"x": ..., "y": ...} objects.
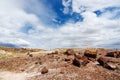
[
  {"x": 60, "y": 66},
  {"x": 12, "y": 76},
  {"x": 6, "y": 75}
]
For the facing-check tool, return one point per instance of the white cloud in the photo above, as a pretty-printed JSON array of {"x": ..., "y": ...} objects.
[
  {"x": 66, "y": 4},
  {"x": 15, "y": 42},
  {"x": 92, "y": 32},
  {"x": 12, "y": 19},
  {"x": 92, "y": 5}
]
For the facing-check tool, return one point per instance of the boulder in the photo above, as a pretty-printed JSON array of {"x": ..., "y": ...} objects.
[
  {"x": 81, "y": 61},
  {"x": 44, "y": 70},
  {"x": 77, "y": 62},
  {"x": 115, "y": 54},
  {"x": 103, "y": 61},
  {"x": 90, "y": 54}
]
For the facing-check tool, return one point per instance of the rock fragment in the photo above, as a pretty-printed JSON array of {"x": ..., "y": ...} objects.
[
  {"x": 70, "y": 52},
  {"x": 44, "y": 70},
  {"x": 103, "y": 61},
  {"x": 82, "y": 61},
  {"x": 115, "y": 54},
  {"x": 69, "y": 58},
  {"x": 90, "y": 54},
  {"x": 111, "y": 66}
]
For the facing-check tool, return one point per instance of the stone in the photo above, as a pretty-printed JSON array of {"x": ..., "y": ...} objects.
[
  {"x": 85, "y": 60},
  {"x": 62, "y": 71},
  {"x": 36, "y": 62},
  {"x": 55, "y": 52},
  {"x": 22, "y": 70},
  {"x": 77, "y": 62},
  {"x": 69, "y": 52},
  {"x": 111, "y": 66},
  {"x": 81, "y": 61},
  {"x": 69, "y": 58},
  {"x": 91, "y": 54},
  {"x": 30, "y": 55},
  {"x": 115, "y": 54},
  {"x": 44, "y": 70},
  {"x": 103, "y": 61}
]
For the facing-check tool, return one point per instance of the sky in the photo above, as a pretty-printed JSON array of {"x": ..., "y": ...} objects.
[{"x": 50, "y": 24}]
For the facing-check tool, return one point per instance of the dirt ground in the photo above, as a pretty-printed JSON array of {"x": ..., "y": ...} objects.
[{"x": 59, "y": 65}]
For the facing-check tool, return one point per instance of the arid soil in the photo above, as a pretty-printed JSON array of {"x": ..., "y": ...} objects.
[{"x": 59, "y": 64}]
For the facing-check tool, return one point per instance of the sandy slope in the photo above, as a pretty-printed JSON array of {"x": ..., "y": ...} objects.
[
  {"x": 12, "y": 76},
  {"x": 6, "y": 75}
]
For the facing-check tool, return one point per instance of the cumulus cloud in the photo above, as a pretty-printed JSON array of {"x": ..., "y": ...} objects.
[
  {"x": 14, "y": 42},
  {"x": 17, "y": 17},
  {"x": 67, "y": 4},
  {"x": 92, "y": 5},
  {"x": 92, "y": 32},
  {"x": 14, "y": 17}
]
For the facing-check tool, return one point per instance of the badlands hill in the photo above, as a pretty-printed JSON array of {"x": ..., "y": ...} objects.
[{"x": 59, "y": 64}]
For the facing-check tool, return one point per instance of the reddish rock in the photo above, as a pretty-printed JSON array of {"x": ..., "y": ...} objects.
[
  {"x": 44, "y": 70},
  {"x": 30, "y": 55},
  {"x": 115, "y": 54},
  {"x": 36, "y": 62},
  {"x": 62, "y": 71},
  {"x": 77, "y": 62},
  {"x": 40, "y": 63},
  {"x": 22, "y": 70},
  {"x": 56, "y": 52},
  {"x": 69, "y": 52},
  {"x": 103, "y": 61},
  {"x": 91, "y": 54},
  {"x": 69, "y": 58},
  {"x": 85, "y": 60},
  {"x": 111, "y": 66},
  {"x": 92, "y": 59},
  {"x": 80, "y": 61}
]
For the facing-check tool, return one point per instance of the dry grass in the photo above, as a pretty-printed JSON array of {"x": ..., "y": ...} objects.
[{"x": 6, "y": 56}]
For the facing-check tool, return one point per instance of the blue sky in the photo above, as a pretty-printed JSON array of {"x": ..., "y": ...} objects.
[{"x": 50, "y": 24}]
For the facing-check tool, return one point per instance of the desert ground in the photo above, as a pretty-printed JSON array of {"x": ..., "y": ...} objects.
[{"x": 59, "y": 64}]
